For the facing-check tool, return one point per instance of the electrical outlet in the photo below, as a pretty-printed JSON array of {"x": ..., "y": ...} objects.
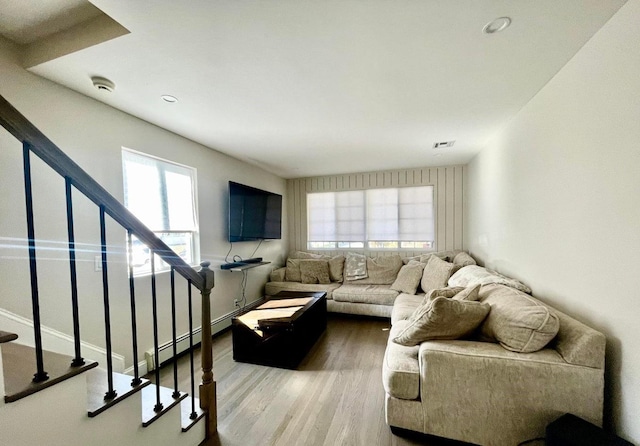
[
  {"x": 97, "y": 263},
  {"x": 236, "y": 302}
]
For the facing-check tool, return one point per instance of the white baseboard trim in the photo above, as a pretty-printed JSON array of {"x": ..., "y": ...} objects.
[
  {"x": 165, "y": 351},
  {"x": 55, "y": 341}
]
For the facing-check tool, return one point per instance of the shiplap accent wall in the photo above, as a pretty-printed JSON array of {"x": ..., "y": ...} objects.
[{"x": 448, "y": 194}]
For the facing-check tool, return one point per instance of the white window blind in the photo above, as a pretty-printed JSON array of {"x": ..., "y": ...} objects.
[
  {"x": 161, "y": 194},
  {"x": 336, "y": 216},
  {"x": 381, "y": 218}
]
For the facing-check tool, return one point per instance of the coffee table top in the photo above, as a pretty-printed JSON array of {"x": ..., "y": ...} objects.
[{"x": 280, "y": 310}]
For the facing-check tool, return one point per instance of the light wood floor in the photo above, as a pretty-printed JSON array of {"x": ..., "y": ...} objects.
[{"x": 335, "y": 397}]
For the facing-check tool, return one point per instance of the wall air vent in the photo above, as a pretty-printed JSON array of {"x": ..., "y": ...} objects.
[{"x": 443, "y": 144}]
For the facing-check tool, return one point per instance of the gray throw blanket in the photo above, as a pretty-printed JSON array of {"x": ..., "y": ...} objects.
[{"x": 355, "y": 266}]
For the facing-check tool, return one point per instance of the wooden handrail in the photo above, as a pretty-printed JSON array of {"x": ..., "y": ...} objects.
[{"x": 20, "y": 127}]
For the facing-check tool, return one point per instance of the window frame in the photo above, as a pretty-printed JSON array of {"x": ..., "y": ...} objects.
[{"x": 162, "y": 167}]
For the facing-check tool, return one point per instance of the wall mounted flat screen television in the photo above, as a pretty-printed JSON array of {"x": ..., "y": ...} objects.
[{"x": 254, "y": 214}]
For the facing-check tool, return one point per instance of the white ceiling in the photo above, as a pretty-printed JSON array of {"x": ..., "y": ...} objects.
[{"x": 315, "y": 87}]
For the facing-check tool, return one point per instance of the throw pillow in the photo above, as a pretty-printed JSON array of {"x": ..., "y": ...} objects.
[
  {"x": 292, "y": 273},
  {"x": 463, "y": 259},
  {"x": 470, "y": 294},
  {"x": 409, "y": 278},
  {"x": 336, "y": 267},
  {"x": 517, "y": 321},
  {"x": 436, "y": 274},
  {"x": 449, "y": 292},
  {"x": 443, "y": 319},
  {"x": 314, "y": 271}
]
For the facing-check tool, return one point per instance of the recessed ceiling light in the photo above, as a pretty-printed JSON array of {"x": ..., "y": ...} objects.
[
  {"x": 496, "y": 25},
  {"x": 103, "y": 84},
  {"x": 169, "y": 98}
]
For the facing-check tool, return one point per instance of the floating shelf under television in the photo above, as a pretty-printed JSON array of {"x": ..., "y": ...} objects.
[{"x": 245, "y": 266}]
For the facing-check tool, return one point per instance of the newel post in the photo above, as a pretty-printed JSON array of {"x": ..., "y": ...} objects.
[{"x": 208, "y": 387}]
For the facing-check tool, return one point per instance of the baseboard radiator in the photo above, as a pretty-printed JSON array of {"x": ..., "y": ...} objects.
[{"x": 165, "y": 351}]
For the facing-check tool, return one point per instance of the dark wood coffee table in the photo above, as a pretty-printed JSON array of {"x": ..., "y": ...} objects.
[{"x": 281, "y": 331}]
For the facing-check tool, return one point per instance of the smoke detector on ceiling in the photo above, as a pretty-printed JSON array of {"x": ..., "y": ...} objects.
[
  {"x": 443, "y": 144},
  {"x": 103, "y": 84}
]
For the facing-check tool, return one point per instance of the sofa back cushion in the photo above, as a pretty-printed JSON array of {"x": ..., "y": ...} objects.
[
  {"x": 478, "y": 275},
  {"x": 292, "y": 273},
  {"x": 436, "y": 274},
  {"x": 381, "y": 270},
  {"x": 517, "y": 321}
]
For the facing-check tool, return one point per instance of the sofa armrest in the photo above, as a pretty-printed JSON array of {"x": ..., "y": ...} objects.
[
  {"x": 277, "y": 275},
  {"x": 494, "y": 396}
]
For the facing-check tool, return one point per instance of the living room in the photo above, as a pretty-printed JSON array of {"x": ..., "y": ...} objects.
[{"x": 552, "y": 198}]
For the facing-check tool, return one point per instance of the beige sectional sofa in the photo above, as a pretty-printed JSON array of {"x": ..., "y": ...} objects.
[{"x": 499, "y": 381}]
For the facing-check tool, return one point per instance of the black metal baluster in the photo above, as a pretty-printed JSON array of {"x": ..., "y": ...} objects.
[
  {"x": 78, "y": 360},
  {"x": 176, "y": 392},
  {"x": 193, "y": 415},
  {"x": 40, "y": 374},
  {"x": 111, "y": 393},
  {"x": 158, "y": 407},
  {"x": 134, "y": 330}
]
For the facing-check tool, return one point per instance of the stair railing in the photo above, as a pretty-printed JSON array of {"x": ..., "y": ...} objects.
[{"x": 37, "y": 143}]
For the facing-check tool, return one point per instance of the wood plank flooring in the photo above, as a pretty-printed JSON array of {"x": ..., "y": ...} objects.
[{"x": 335, "y": 397}]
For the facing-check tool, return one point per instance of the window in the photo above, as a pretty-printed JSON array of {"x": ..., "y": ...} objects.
[
  {"x": 392, "y": 218},
  {"x": 161, "y": 194}
]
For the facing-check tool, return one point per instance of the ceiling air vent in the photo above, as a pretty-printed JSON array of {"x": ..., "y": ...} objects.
[{"x": 443, "y": 144}]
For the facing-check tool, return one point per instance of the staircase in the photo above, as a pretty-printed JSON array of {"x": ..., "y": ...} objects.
[{"x": 56, "y": 399}]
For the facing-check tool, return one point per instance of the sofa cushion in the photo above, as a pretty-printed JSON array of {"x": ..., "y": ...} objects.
[
  {"x": 400, "y": 369},
  {"x": 405, "y": 305},
  {"x": 517, "y": 321},
  {"x": 336, "y": 268},
  {"x": 448, "y": 292},
  {"x": 471, "y": 294},
  {"x": 478, "y": 275},
  {"x": 368, "y": 294},
  {"x": 292, "y": 273},
  {"x": 409, "y": 277},
  {"x": 463, "y": 259},
  {"x": 307, "y": 255},
  {"x": 314, "y": 271},
  {"x": 273, "y": 288},
  {"x": 381, "y": 270},
  {"x": 436, "y": 274},
  {"x": 278, "y": 275},
  {"x": 442, "y": 318}
]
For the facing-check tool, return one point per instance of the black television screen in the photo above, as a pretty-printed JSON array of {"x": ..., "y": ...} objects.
[{"x": 254, "y": 214}]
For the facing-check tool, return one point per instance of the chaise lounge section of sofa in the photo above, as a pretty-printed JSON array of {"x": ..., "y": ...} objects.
[{"x": 526, "y": 365}]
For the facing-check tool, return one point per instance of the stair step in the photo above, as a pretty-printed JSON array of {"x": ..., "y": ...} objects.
[
  {"x": 19, "y": 366},
  {"x": 185, "y": 407},
  {"x": 5, "y": 336},
  {"x": 149, "y": 415},
  {"x": 97, "y": 388}
]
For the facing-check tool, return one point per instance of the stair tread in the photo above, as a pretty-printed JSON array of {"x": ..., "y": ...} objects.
[
  {"x": 19, "y": 366},
  {"x": 97, "y": 387},
  {"x": 149, "y": 415},
  {"x": 5, "y": 336},
  {"x": 185, "y": 407}
]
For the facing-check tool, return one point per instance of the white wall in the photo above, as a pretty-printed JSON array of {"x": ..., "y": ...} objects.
[
  {"x": 554, "y": 200},
  {"x": 92, "y": 134}
]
